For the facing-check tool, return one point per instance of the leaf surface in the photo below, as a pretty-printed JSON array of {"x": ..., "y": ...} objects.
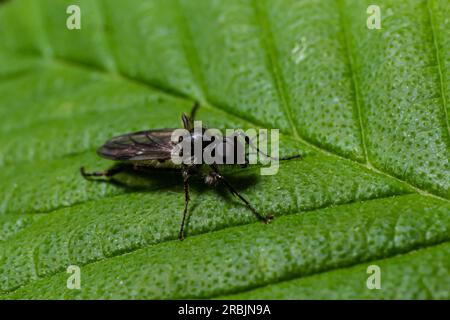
[{"x": 367, "y": 110}]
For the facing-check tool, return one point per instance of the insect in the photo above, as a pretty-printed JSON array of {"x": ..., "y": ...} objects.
[{"x": 154, "y": 149}]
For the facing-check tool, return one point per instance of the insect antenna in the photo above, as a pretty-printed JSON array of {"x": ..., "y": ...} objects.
[
  {"x": 194, "y": 111},
  {"x": 249, "y": 142}
]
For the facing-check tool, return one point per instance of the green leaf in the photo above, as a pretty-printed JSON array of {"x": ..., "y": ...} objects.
[{"x": 367, "y": 109}]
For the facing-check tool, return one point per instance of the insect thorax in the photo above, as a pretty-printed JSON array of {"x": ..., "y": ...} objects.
[{"x": 201, "y": 148}]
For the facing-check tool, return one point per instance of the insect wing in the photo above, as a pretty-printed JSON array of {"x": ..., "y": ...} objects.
[{"x": 137, "y": 146}]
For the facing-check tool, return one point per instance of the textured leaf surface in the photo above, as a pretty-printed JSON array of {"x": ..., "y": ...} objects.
[{"x": 367, "y": 109}]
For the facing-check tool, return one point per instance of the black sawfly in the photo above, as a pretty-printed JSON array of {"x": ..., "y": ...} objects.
[{"x": 154, "y": 148}]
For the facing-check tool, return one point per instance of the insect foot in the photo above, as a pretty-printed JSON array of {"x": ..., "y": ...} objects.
[
  {"x": 108, "y": 173},
  {"x": 83, "y": 172},
  {"x": 88, "y": 175},
  {"x": 267, "y": 219}
]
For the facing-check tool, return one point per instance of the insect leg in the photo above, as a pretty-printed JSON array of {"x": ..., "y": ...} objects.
[
  {"x": 186, "y": 177},
  {"x": 108, "y": 173},
  {"x": 217, "y": 175}
]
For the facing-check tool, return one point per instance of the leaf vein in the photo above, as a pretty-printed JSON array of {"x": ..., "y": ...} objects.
[
  {"x": 439, "y": 67},
  {"x": 343, "y": 267},
  {"x": 269, "y": 48},
  {"x": 354, "y": 80}
]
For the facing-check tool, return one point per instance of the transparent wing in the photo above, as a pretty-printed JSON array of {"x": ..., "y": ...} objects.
[{"x": 142, "y": 145}]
